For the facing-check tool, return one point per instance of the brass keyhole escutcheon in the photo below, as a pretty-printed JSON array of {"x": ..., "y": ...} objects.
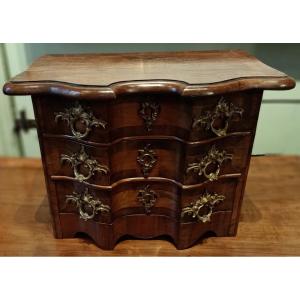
[
  {"x": 147, "y": 159},
  {"x": 147, "y": 198}
]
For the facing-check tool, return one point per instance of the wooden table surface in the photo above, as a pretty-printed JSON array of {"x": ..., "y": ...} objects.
[{"x": 269, "y": 225}]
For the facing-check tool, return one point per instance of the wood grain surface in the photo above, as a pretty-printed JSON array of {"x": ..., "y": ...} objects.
[
  {"x": 107, "y": 75},
  {"x": 269, "y": 225}
]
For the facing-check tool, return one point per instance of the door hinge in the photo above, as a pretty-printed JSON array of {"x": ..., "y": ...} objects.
[{"x": 23, "y": 123}]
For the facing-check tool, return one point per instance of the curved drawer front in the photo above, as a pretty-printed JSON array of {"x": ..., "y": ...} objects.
[
  {"x": 128, "y": 198},
  {"x": 218, "y": 116},
  {"x": 87, "y": 203},
  {"x": 102, "y": 122},
  {"x": 209, "y": 161},
  {"x": 146, "y": 197},
  {"x": 75, "y": 160},
  {"x": 85, "y": 120},
  {"x": 199, "y": 204},
  {"x": 142, "y": 158},
  {"x": 145, "y": 115}
]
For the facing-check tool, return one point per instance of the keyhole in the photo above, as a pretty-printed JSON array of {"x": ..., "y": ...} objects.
[
  {"x": 219, "y": 122},
  {"x": 212, "y": 168},
  {"x": 80, "y": 125}
]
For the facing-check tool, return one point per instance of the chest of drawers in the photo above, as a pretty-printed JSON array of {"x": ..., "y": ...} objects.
[{"x": 146, "y": 144}]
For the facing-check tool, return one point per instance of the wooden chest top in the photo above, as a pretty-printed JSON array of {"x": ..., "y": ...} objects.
[{"x": 188, "y": 73}]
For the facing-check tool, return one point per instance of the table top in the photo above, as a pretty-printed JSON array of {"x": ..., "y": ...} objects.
[
  {"x": 269, "y": 224},
  {"x": 185, "y": 72}
]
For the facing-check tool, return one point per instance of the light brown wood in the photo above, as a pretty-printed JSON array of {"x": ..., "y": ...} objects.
[
  {"x": 107, "y": 75},
  {"x": 269, "y": 224}
]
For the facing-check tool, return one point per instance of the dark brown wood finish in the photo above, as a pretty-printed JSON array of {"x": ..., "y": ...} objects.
[{"x": 147, "y": 144}]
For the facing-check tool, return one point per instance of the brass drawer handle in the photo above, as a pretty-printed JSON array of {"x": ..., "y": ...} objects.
[
  {"x": 82, "y": 159},
  {"x": 84, "y": 116},
  {"x": 147, "y": 197},
  {"x": 214, "y": 158},
  {"x": 88, "y": 206},
  {"x": 146, "y": 158},
  {"x": 202, "y": 208},
  {"x": 149, "y": 112},
  {"x": 223, "y": 112}
]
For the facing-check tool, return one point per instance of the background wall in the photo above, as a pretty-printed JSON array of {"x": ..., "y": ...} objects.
[{"x": 278, "y": 125}]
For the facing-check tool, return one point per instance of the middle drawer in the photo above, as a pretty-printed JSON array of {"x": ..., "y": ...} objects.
[{"x": 186, "y": 163}]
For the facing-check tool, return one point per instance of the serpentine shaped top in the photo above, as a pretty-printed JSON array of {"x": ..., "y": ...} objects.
[{"x": 97, "y": 76}]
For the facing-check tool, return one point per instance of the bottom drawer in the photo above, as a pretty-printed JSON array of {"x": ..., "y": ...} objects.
[
  {"x": 146, "y": 197},
  {"x": 84, "y": 201},
  {"x": 127, "y": 198},
  {"x": 199, "y": 203}
]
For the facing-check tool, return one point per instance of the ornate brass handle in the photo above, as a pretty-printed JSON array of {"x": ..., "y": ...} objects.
[
  {"x": 215, "y": 158},
  {"x": 147, "y": 197},
  {"x": 81, "y": 159},
  {"x": 84, "y": 116},
  {"x": 149, "y": 112},
  {"x": 223, "y": 111},
  {"x": 87, "y": 205},
  {"x": 147, "y": 159},
  {"x": 202, "y": 208}
]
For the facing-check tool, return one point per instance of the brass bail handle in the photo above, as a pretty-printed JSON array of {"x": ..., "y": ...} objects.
[
  {"x": 79, "y": 134},
  {"x": 83, "y": 159},
  {"x": 219, "y": 131},
  {"x": 213, "y": 157},
  {"x": 205, "y": 201},
  {"x": 86, "y": 200},
  {"x": 83, "y": 115},
  {"x": 223, "y": 110},
  {"x": 213, "y": 175}
]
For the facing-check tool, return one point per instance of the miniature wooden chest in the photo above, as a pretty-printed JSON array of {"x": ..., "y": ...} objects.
[{"x": 146, "y": 144}]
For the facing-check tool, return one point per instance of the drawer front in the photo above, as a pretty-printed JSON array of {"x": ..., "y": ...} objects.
[
  {"x": 167, "y": 158},
  {"x": 146, "y": 197},
  {"x": 147, "y": 158},
  {"x": 199, "y": 204},
  {"x": 81, "y": 162},
  {"x": 102, "y": 122},
  {"x": 87, "y": 203},
  {"x": 128, "y": 198},
  {"x": 218, "y": 116},
  {"x": 145, "y": 115},
  {"x": 209, "y": 161},
  {"x": 82, "y": 120}
]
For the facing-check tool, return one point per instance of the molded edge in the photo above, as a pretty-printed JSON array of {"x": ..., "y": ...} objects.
[
  {"x": 149, "y": 137},
  {"x": 142, "y": 179},
  {"x": 149, "y": 86}
]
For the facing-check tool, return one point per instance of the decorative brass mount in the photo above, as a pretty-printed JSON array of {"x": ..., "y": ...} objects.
[
  {"x": 147, "y": 197},
  {"x": 77, "y": 114},
  {"x": 215, "y": 158},
  {"x": 223, "y": 111},
  {"x": 149, "y": 112},
  {"x": 202, "y": 208},
  {"x": 82, "y": 159},
  {"x": 147, "y": 159},
  {"x": 87, "y": 205}
]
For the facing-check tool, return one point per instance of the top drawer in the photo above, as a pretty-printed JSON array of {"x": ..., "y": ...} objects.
[{"x": 190, "y": 119}]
